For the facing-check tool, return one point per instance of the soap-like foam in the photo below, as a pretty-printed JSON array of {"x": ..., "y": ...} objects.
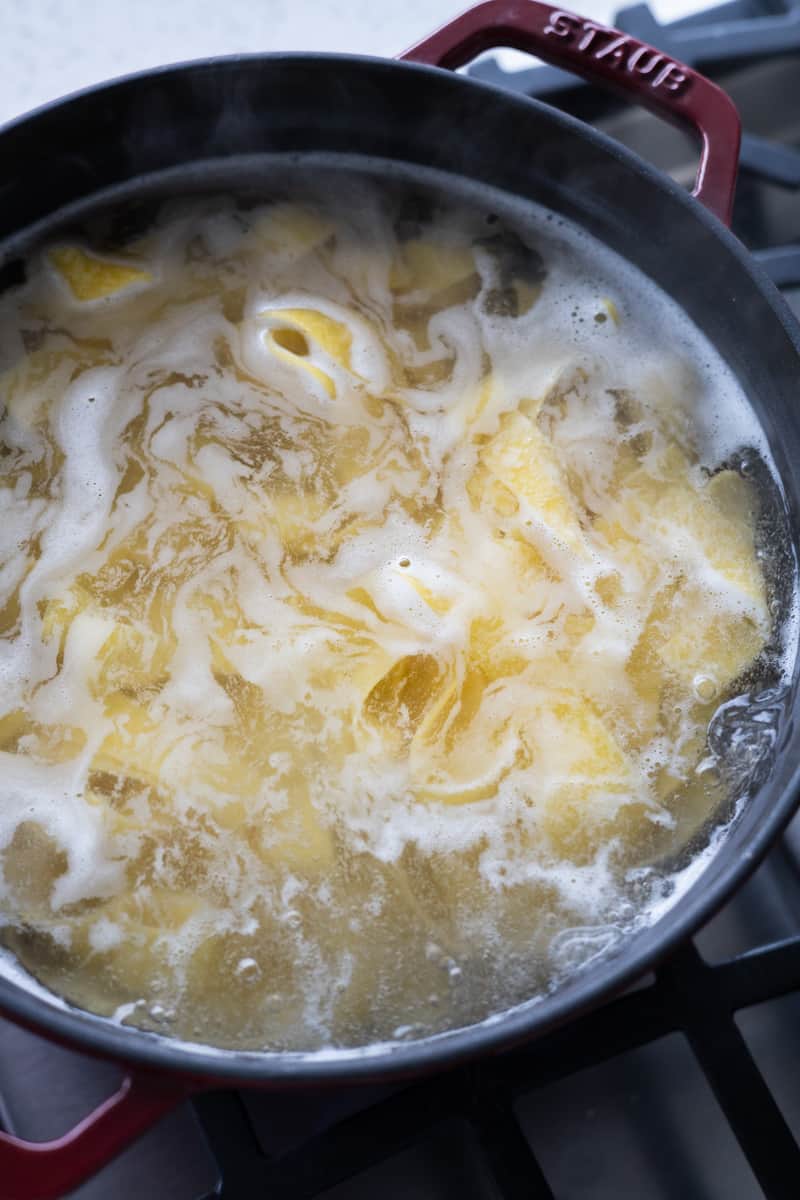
[{"x": 337, "y": 578}]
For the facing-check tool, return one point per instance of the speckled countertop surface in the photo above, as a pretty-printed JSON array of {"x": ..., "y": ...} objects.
[{"x": 52, "y": 47}]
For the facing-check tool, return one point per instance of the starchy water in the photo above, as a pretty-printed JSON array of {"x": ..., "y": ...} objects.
[{"x": 383, "y": 577}]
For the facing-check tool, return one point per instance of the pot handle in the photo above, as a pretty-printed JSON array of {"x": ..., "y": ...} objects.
[
  {"x": 603, "y": 55},
  {"x": 48, "y": 1170}
]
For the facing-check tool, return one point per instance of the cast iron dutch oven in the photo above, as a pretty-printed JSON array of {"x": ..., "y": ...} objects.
[{"x": 415, "y": 113}]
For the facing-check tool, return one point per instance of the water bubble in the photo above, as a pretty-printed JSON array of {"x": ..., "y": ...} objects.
[
  {"x": 704, "y": 687},
  {"x": 248, "y": 970}
]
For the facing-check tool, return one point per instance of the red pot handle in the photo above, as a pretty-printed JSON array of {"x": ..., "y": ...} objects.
[
  {"x": 48, "y": 1170},
  {"x": 606, "y": 56}
]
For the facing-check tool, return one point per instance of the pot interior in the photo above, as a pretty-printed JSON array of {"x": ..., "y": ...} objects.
[{"x": 260, "y": 117}]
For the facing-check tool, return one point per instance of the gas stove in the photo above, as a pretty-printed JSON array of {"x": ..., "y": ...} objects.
[{"x": 686, "y": 1086}]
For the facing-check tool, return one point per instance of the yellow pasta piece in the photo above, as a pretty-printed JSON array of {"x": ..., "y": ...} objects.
[
  {"x": 470, "y": 763},
  {"x": 297, "y": 838},
  {"x": 91, "y": 278},
  {"x": 294, "y": 837},
  {"x": 722, "y": 521},
  {"x": 642, "y": 564},
  {"x": 133, "y": 749},
  {"x": 431, "y": 267},
  {"x": 600, "y": 787},
  {"x": 132, "y": 938},
  {"x": 521, "y": 458},
  {"x": 718, "y": 515},
  {"x": 293, "y": 229},
  {"x": 330, "y": 335},
  {"x": 298, "y": 359},
  {"x": 297, "y": 332},
  {"x": 438, "y": 603},
  {"x": 466, "y": 743},
  {"x": 400, "y": 699},
  {"x": 702, "y": 641},
  {"x": 586, "y": 746}
]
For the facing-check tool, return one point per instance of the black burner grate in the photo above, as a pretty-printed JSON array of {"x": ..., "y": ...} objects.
[{"x": 687, "y": 995}]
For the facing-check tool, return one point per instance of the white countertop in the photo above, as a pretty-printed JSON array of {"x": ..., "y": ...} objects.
[{"x": 52, "y": 47}]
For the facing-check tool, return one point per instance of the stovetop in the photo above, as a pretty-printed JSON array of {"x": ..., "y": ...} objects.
[{"x": 686, "y": 1086}]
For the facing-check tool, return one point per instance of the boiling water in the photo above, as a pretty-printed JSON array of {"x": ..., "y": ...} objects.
[{"x": 374, "y": 566}]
